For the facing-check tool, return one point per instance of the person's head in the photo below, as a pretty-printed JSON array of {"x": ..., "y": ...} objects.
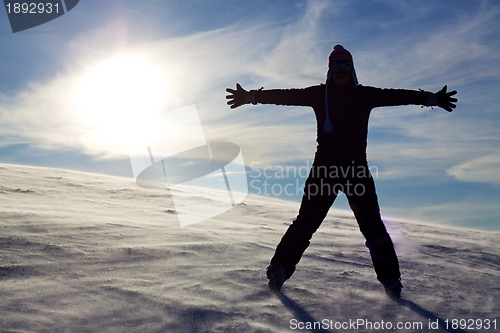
[
  {"x": 340, "y": 66},
  {"x": 341, "y": 72}
]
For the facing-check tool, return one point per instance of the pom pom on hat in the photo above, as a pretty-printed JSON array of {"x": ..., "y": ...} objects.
[{"x": 339, "y": 53}]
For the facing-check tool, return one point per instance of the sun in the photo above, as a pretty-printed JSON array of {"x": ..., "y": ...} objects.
[{"x": 117, "y": 95}]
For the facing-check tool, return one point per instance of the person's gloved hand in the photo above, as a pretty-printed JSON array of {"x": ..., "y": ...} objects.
[
  {"x": 240, "y": 96},
  {"x": 443, "y": 99}
]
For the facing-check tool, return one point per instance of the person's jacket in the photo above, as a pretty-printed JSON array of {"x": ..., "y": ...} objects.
[{"x": 348, "y": 111}]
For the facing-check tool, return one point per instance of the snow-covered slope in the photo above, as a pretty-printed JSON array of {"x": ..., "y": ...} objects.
[{"x": 92, "y": 253}]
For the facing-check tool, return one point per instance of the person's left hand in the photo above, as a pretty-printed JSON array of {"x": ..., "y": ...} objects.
[{"x": 445, "y": 100}]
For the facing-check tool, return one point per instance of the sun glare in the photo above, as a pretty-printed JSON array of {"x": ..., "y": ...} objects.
[{"x": 115, "y": 96}]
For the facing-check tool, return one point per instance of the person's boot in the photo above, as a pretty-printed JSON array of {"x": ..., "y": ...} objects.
[
  {"x": 393, "y": 287},
  {"x": 277, "y": 276}
]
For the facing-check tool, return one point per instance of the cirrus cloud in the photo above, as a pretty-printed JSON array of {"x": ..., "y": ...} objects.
[{"x": 483, "y": 170}]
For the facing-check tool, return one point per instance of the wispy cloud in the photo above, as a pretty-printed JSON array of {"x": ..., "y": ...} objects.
[
  {"x": 458, "y": 48},
  {"x": 485, "y": 169},
  {"x": 406, "y": 52},
  {"x": 413, "y": 142},
  {"x": 198, "y": 68},
  {"x": 463, "y": 53},
  {"x": 476, "y": 211}
]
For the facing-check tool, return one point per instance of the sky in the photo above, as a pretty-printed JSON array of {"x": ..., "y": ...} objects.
[{"x": 72, "y": 89}]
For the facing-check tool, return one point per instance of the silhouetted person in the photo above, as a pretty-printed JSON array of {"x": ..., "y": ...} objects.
[{"x": 342, "y": 108}]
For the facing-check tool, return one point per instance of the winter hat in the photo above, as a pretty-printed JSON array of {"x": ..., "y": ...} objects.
[{"x": 338, "y": 54}]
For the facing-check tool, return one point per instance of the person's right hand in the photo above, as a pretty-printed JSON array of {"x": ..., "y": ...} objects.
[{"x": 238, "y": 97}]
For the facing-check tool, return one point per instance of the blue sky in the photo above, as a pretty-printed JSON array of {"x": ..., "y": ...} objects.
[{"x": 433, "y": 166}]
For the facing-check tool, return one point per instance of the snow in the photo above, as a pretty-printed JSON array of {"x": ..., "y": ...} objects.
[{"x": 84, "y": 252}]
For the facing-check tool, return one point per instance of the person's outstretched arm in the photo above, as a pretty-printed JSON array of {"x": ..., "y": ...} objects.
[
  {"x": 391, "y": 97},
  {"x": 299, "y": 97}
]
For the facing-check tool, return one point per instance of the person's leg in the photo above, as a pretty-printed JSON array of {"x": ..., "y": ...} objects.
[
  {"x": 364, "y": 203},
  {"x": 317, "y": 199}
]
